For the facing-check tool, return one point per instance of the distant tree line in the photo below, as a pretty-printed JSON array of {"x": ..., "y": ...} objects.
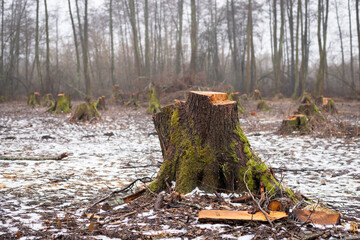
[{"x": 277, "y": 46}]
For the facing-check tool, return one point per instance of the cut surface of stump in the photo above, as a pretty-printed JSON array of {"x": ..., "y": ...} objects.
[
  {"x": 34, "y": 99},
  {"x": 204, "y": 146},
  {"x": 328, "y": 105}
]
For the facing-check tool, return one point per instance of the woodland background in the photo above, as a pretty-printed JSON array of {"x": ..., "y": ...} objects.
[{"x": 84, "y": 48}]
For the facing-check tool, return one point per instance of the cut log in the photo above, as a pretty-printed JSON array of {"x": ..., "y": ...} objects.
[
  {"x": 262, "y": 105},
  {"x": 296, "y": 122},
  {"x": 154, "y": 105},
  {"x": 85, "y": 112},
  {"x": 221, "y": 215},
  {"x": 316, "y": 217},
  {"x": 204, "y": 146},
  {"x": 256, "y": 95},
  {"x": 34, "y": 99},
  {"x": 234, "y": 96},
  {"x": 100, "y": 103},
  {"x": 48, "y": 100}
]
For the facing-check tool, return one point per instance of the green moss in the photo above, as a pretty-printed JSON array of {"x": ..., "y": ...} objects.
[
  {"x": 34, "y": 99},
  {"x": 48, "y": 100},
  {"x": 133, "y": 101},
  {"x": 154, "y": 106}
]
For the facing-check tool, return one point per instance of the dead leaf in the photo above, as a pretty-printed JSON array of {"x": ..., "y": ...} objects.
[
  {"x": 354, "y": 227},
  {"x": 2, "y": 186},
  {"x": 18, "y": 234},
  {"x": 59, "y": 223}
]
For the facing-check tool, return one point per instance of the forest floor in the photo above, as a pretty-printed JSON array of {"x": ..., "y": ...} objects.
[{"x": 47, "y": 199}]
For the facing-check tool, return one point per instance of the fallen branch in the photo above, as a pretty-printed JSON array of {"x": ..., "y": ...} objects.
[{"x": 58, "y": 157}]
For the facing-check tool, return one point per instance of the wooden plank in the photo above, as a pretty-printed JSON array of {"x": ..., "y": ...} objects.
[{"x": 216, "y": 215}]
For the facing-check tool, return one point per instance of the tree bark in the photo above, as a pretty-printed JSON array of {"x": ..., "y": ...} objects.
[
  {"x": 204, "y": 146},
  {"x": 351, "y": 47},
  {"x": 136, "y": 47},
  {"x": 78, "y": 68},
  {"x": 113, "y": 80},
  {"x": 47, "y": 76},
  {"x": 358, "y": 32},
  {"x": 37, "y": 58},
  {"x": 179, "y": 37}
]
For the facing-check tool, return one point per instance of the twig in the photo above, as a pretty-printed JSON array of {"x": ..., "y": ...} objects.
[
  {"x": 143, "y": 180},
  {"x": 313, "y": 236},
  {"x": 58, "y": 157},
  {"x": 257, "y": 203}
]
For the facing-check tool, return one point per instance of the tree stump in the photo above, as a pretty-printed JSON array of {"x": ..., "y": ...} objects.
[
  {"x": 48, "y": 100},
  {"x": 3, "y": 99},
  {"x": 297, "y": 122},
  {"x": 256, "y": 95},
  {"x": 34, "y": 99},
  {"x": 63, "y": 104},
  {"x": 306, "y": 98},
  {"x": 117, "y": 95},
  {"x": 234, "y": 96},
  {"x": 133, "y": 101},
  {"x": 328, "y": 105},
  {"x": 262, "y": 105},
  {"x": 311, "y": 111},
  {"x": 100, "y": 103},
  {"x": 154, "y": 105},
  {"x": 204, "y": 146},
  {"x": 85, "y": 112}
]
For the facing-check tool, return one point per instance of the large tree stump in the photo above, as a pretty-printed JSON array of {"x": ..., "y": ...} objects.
[
  {"x": 34, "y": 99},
  {"x": 204, "y": 146},
  {"x": 311, "y": 111},
  {"x": 256, "y": 95},
  {"x": 297, "y": 122},
  {"x": 133, "y": 101},
  {"x": 85, "y": 112},
  {"x": 328, "y": 105}
]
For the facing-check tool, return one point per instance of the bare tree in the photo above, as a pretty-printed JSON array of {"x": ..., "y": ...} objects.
[{"x": 193, "y": 38}]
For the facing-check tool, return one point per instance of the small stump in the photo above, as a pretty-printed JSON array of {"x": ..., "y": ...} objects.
[
  {"x": 297, "y": 122},
  {"x": 117, "y": 95},
  {"x": 62, "y": 104},
  {"x": 311, "y": 111},
  {"x": 306, "y": 98},
  {"x": 154, "y": 105},
  {"x": 133, "y": 102},
  {"x": 100, "y": 103},
  {"x": 328, "y": 105},
  {"x": 85, "y": 112},
  {"x": 244, "y": 97},
  {"x": 34, "y": 99},
  {"x": 262, "y": 105},
  {"x": 256, "y": 95},
  {"x": 234, "y": 96},
  {"x": 48, "y": 100}
]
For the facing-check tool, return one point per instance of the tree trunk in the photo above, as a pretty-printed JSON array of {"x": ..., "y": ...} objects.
[
  {"x": 179, "y": 37},
  {"x": 351, "y": 47},
  {"x": 47, "y": 76},
  {"x": 136, "y": 47},
  {"x": 193, "y": 39},
  {"x": 358, "y": 32},
  {"x": 78, "y": 74},
  {"x": 204, "y": 146},
  {"x": 113, "y": 80},
  {"x": 37, "y": 58}
]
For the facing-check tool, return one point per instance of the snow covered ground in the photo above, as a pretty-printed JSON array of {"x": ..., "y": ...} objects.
[{"x": 32, "y": 191}]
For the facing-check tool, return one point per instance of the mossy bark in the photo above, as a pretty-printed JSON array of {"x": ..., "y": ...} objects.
[
  {"x": 48, "y": 100},
  {"x": 100, "y": 103},
  {"x": 204, "y": 146},
  {"x": 85, "y": 112},
  {"x": 63, "y": 104},
  {"x": 133, "y": 101},
  {"x": 306, "y": 98},
  {"x": 154, "y": 105},
  {"x": 234, "y": 96},
  {"x": 262, "y": 105},
  {"x": 256, "y": 95},
  {"x": 34, "y": 99}
]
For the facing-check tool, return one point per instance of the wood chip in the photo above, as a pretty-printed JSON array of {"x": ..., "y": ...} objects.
[
  {"x": 216, "y": 215},
  {"x": 317, "y": 217}
]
